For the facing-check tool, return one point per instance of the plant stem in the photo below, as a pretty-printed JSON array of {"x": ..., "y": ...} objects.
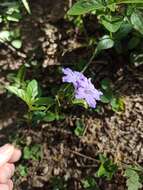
[
  {"x": 29, "y": 117},
  {"x": 90, "y": 61}
]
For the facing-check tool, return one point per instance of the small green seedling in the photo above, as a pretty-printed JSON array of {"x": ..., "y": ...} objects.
[
  {"x": 107, "y": 168},
  {"x": 23, "y": 170},
  {"x": 32, "y": 152},
  {"x": 133, "y": 181},
  {"x": 31, "y": 96},
  {"x": 80, "y": 127},
  {"x": 89, "y": 183},
  {"x": 30, "y": 93},
  {"x": 117, "y": 103}
]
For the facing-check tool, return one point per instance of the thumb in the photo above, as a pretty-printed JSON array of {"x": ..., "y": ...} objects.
[{"x": 6, "y": 153}]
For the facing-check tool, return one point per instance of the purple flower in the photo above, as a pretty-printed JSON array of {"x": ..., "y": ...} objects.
[
  {"x": 73, "y": 77},
  {"x": 84, "y": 89},
  {"x": 89, "y": 93}
]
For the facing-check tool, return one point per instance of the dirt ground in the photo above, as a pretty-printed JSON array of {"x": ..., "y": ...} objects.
[{"x": 50, "y": 43}]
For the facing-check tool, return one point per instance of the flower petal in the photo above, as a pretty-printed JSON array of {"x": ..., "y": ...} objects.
[{"x": 91, "y": 101}]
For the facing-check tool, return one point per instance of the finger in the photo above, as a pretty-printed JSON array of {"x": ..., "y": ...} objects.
[
  {"x": 15, "y": 156},
  {"x": 10, "y": 184},
  {"x": 4, "y": 187},
  {"x": 6, "y": 153},
  {"x": 6, "y": 172}
]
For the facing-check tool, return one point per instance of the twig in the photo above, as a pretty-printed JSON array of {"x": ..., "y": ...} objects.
[
  {"x": 82, "y": 155},
  {"x": 20, "y": 54},
  {"x": 88, "y": 166},
  {"x": 84, "y": 132}
]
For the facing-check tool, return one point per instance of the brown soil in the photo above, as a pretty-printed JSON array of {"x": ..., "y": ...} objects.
[{"x": 48, "y": 40}]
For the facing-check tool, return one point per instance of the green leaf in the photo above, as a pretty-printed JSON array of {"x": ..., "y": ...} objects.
[
  {"x": 78, "y": 131},
  {"x": 105, "y": 99},
  {"x": 107, "y": 96},
  {"x": 105, "y": 84},
  {"x": 80, "y": 102},
  {"x": 124, "y": 30},
  {"x": 79, "y": 128},
  {"x": 21, "y": 74},
  {"x": 26, "y": 153},
  {"x": 129, "y": 1},
  {"x": 89, "y": 183},
  {"x": 50, "y": 116},
  {"x": 4, "y": 36},
  {"x": 27, "y": 95},
  {"x": 101, "y": 171},
  {"x": 107, "y": 168},
  {"x": 17, "y": 44},
  {"x": 112, "y": 24},
  {"x": 23, "y": 170},
  {"x": 112, "y": 6},
  {"x": 133, "y": 42},
  {"x": 133, "y": 179},
  {"x": 19, "y": 92},
  {"x": 85, "y": 6},
  {"x": 105, "y": 43},
  {"x": 137, "y": 20},
  {"x": 32, "y": 89},
  {"x": 38, "y": 115},
  {"x": 13, "y": 18},
  {"x": 47, "y": 101},
  {"x": 34, "y": 152},
  {"x": 12, "y": 7},
  {"x": 26, "y": 5},
  {"x": 117, "y": 104}
]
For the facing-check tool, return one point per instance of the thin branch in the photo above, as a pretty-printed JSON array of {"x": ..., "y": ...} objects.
[
  {"x": 85, "y": 130},
  {"x": 20, "y": 54},
  {"x": 83, "y": 156}
]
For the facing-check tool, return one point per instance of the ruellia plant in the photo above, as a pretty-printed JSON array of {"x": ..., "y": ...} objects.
[
  {"x": 11, "y": 13},
  {"x": 30, "y": 93},
  {"x": 76, "y": 89},
  {"x": 114, "y": 15},
  {"x": 107, "y": 168},
  {"x": 118, "y": 21}
]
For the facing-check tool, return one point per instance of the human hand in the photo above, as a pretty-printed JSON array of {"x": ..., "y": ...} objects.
[{"x": 8, "y": 155}]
